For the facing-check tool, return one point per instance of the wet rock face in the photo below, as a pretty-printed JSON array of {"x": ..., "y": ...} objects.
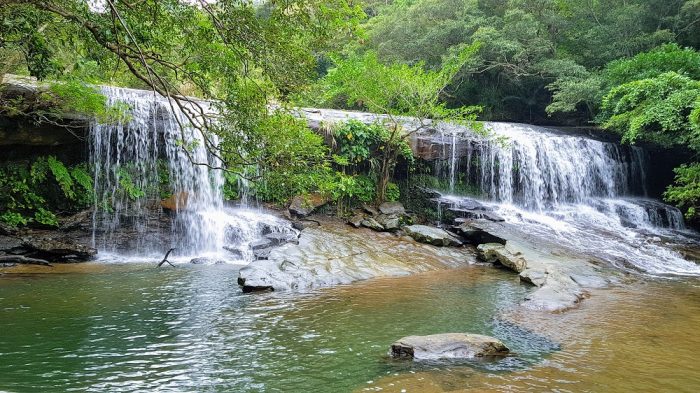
[
  {"x": 431, "y": 235},
  {"x": 50, "y": 246},
  {"x": 447, "y": 346}
]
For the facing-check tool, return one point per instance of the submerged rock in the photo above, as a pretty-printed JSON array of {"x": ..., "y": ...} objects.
[
  {"x": 206, "y": 261},
  {"x": 431, "y": 235},
  {"x": 447, "y": 346}
]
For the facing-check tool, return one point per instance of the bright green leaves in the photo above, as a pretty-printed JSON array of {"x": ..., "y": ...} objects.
[
  {"x": 33, "y": 193},
  {"x": 685, "y": 192},
  {"x": 657, "y": 109}
]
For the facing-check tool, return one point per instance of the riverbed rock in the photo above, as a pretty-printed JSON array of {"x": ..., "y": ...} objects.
[
  {"x": 390, "y": 222},
  {"x": 279, "y": 238},
  {"x": 337, "y": 254},
  {"x": 53, "y": 248},
  {"x": 508, "y": 257},
  {"x": 392, "y": 208},
  {"x": 303, "y": 205},
  {"x": 206, "y": 261},
  {"x": 431, "y": 235},
  {"x": 371, "y": 223},
  {"x": 479, "y": 232},
  {"x": 356, "y": 220},
  {"x": 447, "y": 346}
]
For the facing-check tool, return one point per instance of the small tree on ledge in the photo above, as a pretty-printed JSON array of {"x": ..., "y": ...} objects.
[{"x": 398, "y": 91}]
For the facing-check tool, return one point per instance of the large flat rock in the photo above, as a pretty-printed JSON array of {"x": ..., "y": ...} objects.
[
  {"x": 338, "y": 254},
  {"x": 447, "y": 346}
]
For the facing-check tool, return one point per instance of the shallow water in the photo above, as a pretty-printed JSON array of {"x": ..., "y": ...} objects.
[
  {"x": 637, "y": 337},
  {"x": 136, "y": 328}
]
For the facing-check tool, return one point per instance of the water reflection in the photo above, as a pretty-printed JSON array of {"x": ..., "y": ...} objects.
[{"x": 190, "y": 329}]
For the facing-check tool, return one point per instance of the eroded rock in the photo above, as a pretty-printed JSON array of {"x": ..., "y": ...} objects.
[{"x": 431, "y": 235}]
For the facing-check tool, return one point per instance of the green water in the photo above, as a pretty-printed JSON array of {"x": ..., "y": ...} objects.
[{"x": 136, "y": 328}]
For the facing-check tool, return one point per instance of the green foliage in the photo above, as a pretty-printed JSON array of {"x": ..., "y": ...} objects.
[
  {"x": 685, "y": 192},
  {"x": 29, "y": 195},
  {"x": 396, "y": 90},
  {"x": 291, "y": 159},
  {"x": 580, "y": 86},
  {"x": 127, "y": 185},
  {"x": 656, "y": 109},
  {"x": 393, "y": 193}
]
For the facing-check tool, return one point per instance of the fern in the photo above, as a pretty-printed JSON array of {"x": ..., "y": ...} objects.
[{"x": 62, "y": 176}]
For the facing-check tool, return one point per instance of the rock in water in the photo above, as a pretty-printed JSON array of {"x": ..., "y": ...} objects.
[
  {"x": 431, "y": 235},
  {"x": 447, "y": 346}
]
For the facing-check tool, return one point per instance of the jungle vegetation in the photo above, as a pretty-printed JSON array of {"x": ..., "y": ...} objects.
[{"x": 631, "y": 67}]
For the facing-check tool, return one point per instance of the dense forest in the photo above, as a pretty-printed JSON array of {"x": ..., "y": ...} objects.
[{"x": 630, "y": 67}]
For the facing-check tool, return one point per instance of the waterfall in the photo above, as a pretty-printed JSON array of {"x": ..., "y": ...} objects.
[
  {"x": 154, "y": 154},
  {"x": 568, "y": 191}
]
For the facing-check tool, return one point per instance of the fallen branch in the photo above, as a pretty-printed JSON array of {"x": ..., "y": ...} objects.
[
  {"x": 24, "y": 260},
  {"x": 165, "y": 258}
]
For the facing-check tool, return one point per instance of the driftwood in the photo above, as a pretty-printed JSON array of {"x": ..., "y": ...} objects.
[
  {"x": 165, "y": 258},
  {"x": 23, "y": 260}
]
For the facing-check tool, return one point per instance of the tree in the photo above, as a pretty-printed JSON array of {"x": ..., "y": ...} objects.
[
  {"x": 239, "y": 53},
  {"x": 396, "y": 90}
]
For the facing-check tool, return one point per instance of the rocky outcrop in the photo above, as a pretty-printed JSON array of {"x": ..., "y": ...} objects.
[
  {"x": 390, "y": 216},
  {"x": 447, "y": 346},
  {"x": 431, "y": 235},
  {"x": 503, "y": 254},
  {"x": 51, "y": 246},
  {"x": 303, "y": 205},
  {"x": 336, "y": 254}
]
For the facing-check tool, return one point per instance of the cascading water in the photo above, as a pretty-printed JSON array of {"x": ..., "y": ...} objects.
[
  {"x": 158, "y": 153},
  {"x": 572, "y": 191}
]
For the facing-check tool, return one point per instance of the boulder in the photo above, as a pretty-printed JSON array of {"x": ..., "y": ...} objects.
[
  {"x": 206, "y": 261},
  {"x": 506, "y": 256},
  {"x": 487, "y": 252},
  {"x": 338, "y": 254},
  {"x": 262, "y": 243},
  {"x": 478, "y": 232},
  {"x": 262, "y": 253},
  {"x": 431, "y": 235},
  {"x": 236, "y": 253},
  {"x": 390, "y": 222},
  {"x": 303, "y": 205},
  {"x": 356, "y": 220},
  {"x": 392, "y": 208},
  {"x": 175, "y": 202},
  {"x": 370, "y": 210},
  {"x": 279, "y": 238},
  {"x": 371, "y": 223},
  {"x": 447, "y": 346}
]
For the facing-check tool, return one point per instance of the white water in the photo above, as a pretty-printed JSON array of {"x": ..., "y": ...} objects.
[
  {"x": 132, "y": 153},
  {"x": 573, "y": 193}
]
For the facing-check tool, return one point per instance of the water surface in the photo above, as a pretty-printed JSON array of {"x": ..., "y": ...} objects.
[{"x": 136, "y": 328}]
